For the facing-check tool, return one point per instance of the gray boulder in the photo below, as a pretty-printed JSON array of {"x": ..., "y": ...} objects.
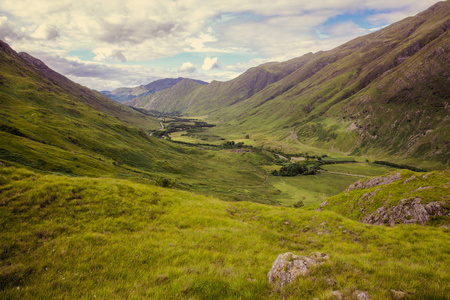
[{"x": 289, "y": 266}]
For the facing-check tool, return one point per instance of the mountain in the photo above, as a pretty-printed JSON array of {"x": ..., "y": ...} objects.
[
  {"x": 53, "y": 124},
  {"x": 385, "y": 94},
  {"x": 126, "y": 94},
  {"x": 158, "y": 101},
  {"x": 216, "y": 95}
]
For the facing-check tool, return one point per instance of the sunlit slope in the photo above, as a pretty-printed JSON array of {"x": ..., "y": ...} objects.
[{"x": 101, "y": 238}]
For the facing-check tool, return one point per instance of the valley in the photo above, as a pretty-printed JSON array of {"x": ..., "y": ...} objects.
[{"x": 182, "y": 189}]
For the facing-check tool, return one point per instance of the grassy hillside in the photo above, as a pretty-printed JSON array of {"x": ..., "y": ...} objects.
[{"x": 106, "y": 238}]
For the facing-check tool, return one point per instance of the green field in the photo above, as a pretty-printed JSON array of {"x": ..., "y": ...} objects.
[
  {"x": 311, "y": 189},
  {"x": 365, "y": 169},
  {"x": 80, "y": 238}
]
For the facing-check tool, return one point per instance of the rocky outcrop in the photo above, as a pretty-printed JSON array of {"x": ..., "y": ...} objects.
[
  {"x": 408, "y": 211},
  {"x": 289, "y": 266},
  {"x": 375, "y": 181}
]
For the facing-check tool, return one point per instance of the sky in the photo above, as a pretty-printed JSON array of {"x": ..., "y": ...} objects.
[{"x": 123, "y": 43}]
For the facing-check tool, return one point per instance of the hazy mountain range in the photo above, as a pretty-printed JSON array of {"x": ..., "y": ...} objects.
[{"x": 125, "y": 94}]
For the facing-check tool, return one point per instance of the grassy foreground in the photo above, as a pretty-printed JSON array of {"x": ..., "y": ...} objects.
[{"x": 79, "y": 238}]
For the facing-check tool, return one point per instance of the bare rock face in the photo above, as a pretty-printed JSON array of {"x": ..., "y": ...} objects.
[
  {"x": 408, "y": 211},
  {"x": 381, "y": 180},
  {"x": 289, "y": 266}
]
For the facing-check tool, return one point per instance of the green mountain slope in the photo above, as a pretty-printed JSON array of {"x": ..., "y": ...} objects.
[
  {"x": 126, "y": 94},
  {"x": 158, "y": 100},
  {"x": 66, "y": 238},
  {"x": 385, "y": 94},
  {"x": 51, "y": 123}
]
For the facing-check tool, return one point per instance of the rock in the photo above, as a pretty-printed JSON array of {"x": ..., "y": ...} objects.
[
  {"x": 289, "y": 266},
  {"x": 409, "y": 179},
  {"x": 396, "y": 295},
  {"x": 408, "y": 211},
  {"x": 381, "y": 180},
  {"x": 322, "y": 205},
  {"x": 331, "y": 281},
  {"x": 361, "y": 295},
  {"x": 337, "y": 295}
]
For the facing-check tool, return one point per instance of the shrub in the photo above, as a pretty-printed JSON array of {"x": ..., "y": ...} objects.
[
  {"x": 165, "y": 182},
  {"x": 298, "y": 204}
]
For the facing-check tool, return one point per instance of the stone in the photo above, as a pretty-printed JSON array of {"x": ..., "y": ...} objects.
[
  {"x": 397, "y": 295},
  {"x": 289, "y": 266},
  {"x": 409, "y": 179},
  {"x": 375, "y": 181},
  {"x": 361, "y": 295},
  {"x": 322, "y": 205},
  {"x": 337, "y": 295}
]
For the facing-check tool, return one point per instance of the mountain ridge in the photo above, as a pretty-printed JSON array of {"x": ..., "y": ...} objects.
[{"x": 127, "y": 94}]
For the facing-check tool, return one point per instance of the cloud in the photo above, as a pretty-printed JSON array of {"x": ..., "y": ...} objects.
[
  {"x": 105, "y": 54},
  {"x": 98, "y": 75},
  {"x": 187, "y": 67},
  {"x": 210, "y": 63},
  {"x": 45, "y": 32},
  {"x": 7, "y": 30}
]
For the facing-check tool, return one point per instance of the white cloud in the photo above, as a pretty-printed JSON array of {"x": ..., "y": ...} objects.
[
  {"x": 347, "y": 29},
  {"x": 45, "y": 32},
  {"x": 210, "y": 63},
  {"x": 187, "y": 67},
  {"x": 7, "y": 30},
  {"x": 105, "y": 54}
]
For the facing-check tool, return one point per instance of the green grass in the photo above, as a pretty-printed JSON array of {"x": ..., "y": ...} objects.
[
  {"x": 66, "y": 238},
  {"x": 311, "y": 189},
  {"x": 365, "y": 169}
]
